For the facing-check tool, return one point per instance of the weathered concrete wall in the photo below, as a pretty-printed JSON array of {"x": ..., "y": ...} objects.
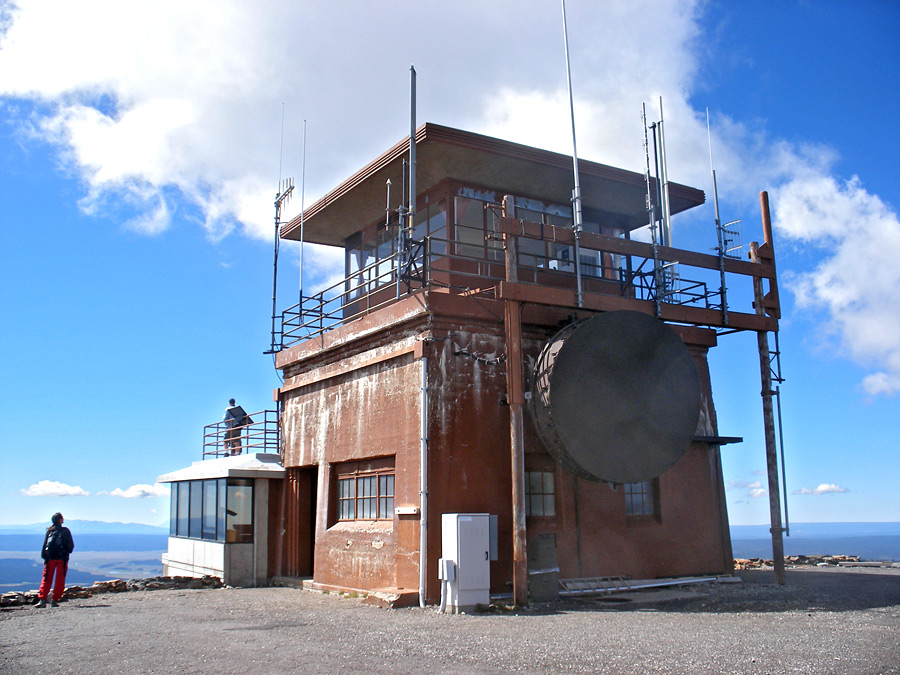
[
  {"x": 372, "y": 411},
  {"x": 361, "y": 400}
]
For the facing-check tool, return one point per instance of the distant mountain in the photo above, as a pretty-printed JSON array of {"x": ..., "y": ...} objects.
[{"x": 88, "y": 527}]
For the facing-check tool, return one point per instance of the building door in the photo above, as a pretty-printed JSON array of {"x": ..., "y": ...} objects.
[{"x": 299, "y": 510}]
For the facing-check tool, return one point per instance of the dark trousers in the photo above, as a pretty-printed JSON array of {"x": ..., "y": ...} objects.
[{"x": 51, "y": 568}]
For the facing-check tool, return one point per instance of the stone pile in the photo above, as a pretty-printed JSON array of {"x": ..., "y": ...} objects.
[
  {"x": 795, "y": 561},
  {"x": 16, "y": 598}
]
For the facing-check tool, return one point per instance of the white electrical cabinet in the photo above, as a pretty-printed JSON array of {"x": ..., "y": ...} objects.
[{"x": 465, "y": 539}]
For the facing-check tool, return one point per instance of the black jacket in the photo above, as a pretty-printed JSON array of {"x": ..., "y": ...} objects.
[{"x": 68, "y": 543}]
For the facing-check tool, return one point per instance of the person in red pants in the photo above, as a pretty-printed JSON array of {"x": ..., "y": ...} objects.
[{"x": 58, "y": 544}]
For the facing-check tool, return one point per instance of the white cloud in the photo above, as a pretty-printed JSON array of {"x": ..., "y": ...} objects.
[
  {"x": 857, "y": 281},
  {"x": 139, "y": 491},
  {"x": 166, "y": 106},
  {"x": 754, "y": 488},
  {"x": 822, "y": 489},
  {"x": 52, "y": 488}
]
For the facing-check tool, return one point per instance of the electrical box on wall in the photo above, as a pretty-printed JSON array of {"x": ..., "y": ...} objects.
[{"x": 465, "y": 539}]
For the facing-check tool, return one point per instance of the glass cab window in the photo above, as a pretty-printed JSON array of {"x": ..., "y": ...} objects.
[{"x": 216, "y": 509}]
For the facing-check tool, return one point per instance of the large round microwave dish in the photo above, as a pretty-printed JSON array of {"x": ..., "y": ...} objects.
[{"x": 616, "y": 397}]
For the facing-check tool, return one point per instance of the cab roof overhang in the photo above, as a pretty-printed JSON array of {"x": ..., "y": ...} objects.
[{"x": 480, "y": 161}]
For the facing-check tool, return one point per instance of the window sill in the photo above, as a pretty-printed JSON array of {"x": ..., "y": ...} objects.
[
  {"x": 362, "y": 526},
  {"x": 642, "y": 521}
]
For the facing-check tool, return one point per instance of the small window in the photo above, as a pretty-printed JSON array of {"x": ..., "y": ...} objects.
[
  {"x": 639, "y": 498},
  {"x": 540, "y": 493},
  {"x": 184, "y": 505},
  {"x": 173, "y": 510},
  {"x": 386, "y": 496},
  {"x": 239, "y": 513},
  {"x": 365, "y": 490},
  {"x": 210, "y": 495},
  {"x": 220, "y": 510},
  {"x": 196, "y": 510}
]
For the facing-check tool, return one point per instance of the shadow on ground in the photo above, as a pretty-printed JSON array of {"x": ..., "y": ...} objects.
[{"x": 828, "y": 590}]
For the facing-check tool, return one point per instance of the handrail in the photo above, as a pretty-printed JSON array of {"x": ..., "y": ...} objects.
[
  {"x": 447, "y": 263},
  {"x": 262, "y": 435}
]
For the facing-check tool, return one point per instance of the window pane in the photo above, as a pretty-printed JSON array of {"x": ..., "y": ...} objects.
[
  {"x": 639, "y": 499},
  {"x": 386, "y": 496},
  {"x": 470, "y": 227},
  {"x": 345, "y": 498},
  {"x": 173, "y": 509},
  {"x": 549, "y": 505},
  {"x": 220, "y": 510},
  {"x": 209, "y": 509},
  {"x": 548, "y": 483},
  {"x": 195, "y": 525},
  {"x": 239, "y": 514},
  {"x": 184, "y": 504},
  {"x": 365, "y": 487}
]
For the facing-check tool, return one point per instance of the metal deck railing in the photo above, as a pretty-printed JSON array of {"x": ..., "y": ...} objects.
[
  {"x": 262, "y": 435},
  {"x": 464, "y": 266}
]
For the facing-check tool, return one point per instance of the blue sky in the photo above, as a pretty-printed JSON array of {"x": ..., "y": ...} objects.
[{"x": 140, "y": 149}]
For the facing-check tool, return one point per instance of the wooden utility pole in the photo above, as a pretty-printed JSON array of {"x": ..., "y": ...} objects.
[
  {"x": 515, "y": 394},
  {"x": 769, "y": 304}
]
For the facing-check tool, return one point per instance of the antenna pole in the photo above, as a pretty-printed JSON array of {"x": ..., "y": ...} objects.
[
  {"x": 720, "y": 243},
  {"x": 576, "y": 194},
  {"x": 666, "y": 213},
  {"x": 302, "y": 209},
  {"x": 651, "y": 210},
  {"x": 285, "y": 188},
  {"x": 406, "y": 227}
]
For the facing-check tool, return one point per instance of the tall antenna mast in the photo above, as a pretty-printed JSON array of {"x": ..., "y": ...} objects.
[
  {"x": 302, "y": 209},
  {"x": 576, "y": 193},
  {"x": 720, "y": 239},
  {"x": 407, "y": 223},
  {"x": 285, "y": 188},
  {"x": 651, "y": 210},
  {"x": 666, "y": 210}
]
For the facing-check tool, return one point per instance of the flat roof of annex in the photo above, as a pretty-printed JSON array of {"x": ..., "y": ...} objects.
[{"x": 479, "y": 161}]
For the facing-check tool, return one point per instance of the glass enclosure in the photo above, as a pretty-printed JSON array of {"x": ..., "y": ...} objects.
[{"x": 217, "y": 509}]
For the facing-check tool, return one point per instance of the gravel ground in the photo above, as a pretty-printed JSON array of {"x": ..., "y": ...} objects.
[{"x": 844, "y": 620}]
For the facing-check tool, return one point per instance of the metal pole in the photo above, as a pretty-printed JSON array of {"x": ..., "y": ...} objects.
[
  {"x": 651, "y": 211},
  {"x": 667, "y": 214},
  {"x": 423, "y": 483},
  {"x": 302, "y": 194},
  {"x": 768, "y": 416},
  {"x": 576, "y": 193},
  {"x": 275, "y": 267},
  {"x": 719, "y": 235},
  {"x": 412, "y": 146}
]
